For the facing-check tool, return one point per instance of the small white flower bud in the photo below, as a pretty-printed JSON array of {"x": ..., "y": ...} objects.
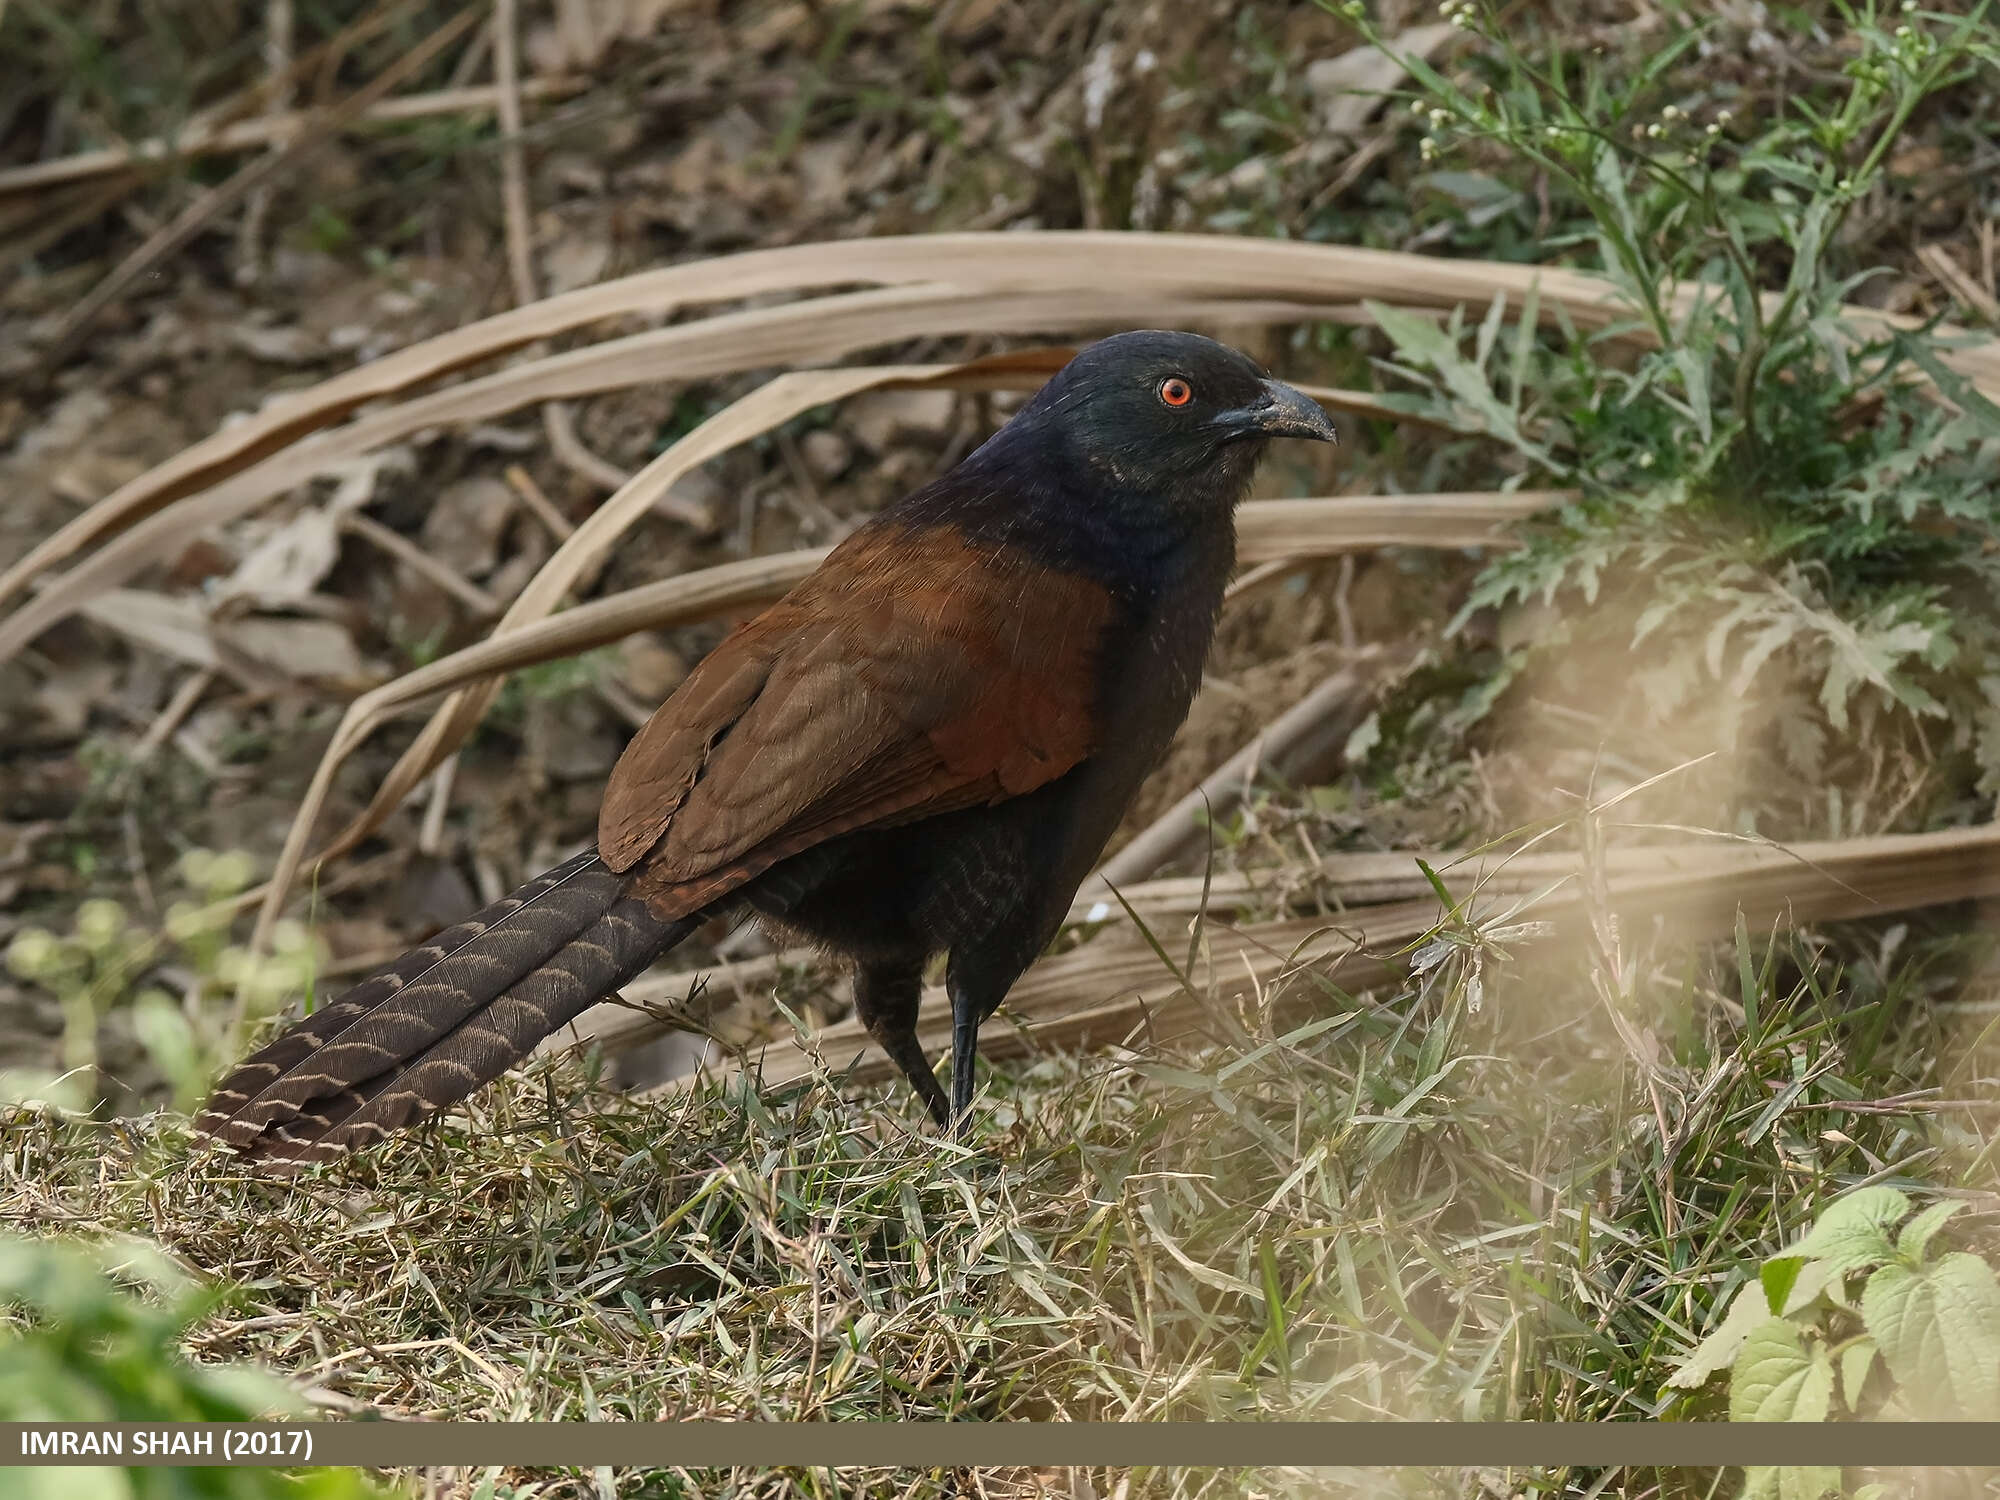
[
  {"x": 184, "y": 921},
  {"x": 33, "y": 952},
  {"x": 99, "y": 922},
  {"x": 198, "y": 867},
  {"x": 231, "y": 872}
]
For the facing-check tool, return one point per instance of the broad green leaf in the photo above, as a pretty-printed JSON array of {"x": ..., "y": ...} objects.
[
  {"x": 1939, "y": 1331},
  {"x": 1856, "y": 1360},
  {"x": 1813, "y": 1278},
  {"x": 1853, "y": 1232},
  {"x": 1807, "y": 1482},
  {"x": 1793, "y": 1283},
  {"x": 1747, "y": 1311},
  {"x": 1917, "y": 1234},
  {"x": 1765, "y": 1482},
  {"x": 81, "y": 1483},
  {"x": 1777, "y": 1379},
  {"x": 1778, "y": 1274}
]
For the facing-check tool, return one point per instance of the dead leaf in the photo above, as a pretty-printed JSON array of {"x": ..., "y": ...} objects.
[
  {"x": 307, "y": 651},
  {"x": 89, "y": 477},
  {"x": 288, "y": 564},
  {"x": 574, "y": 260},
  {"x": 174, "y": 627},
  {"x": 1350, "y": 88},
  {"x": 505, "y": 583},
  {"x": 465, "y": 525},
  {"x": 826, "y": 453},
  {"x": 1915, "y": 161},
  {"x": 696, "y": 492},
  {"x": 433, "y": 894},
  {"x": 651, "y": 667},
  {"x": 970, "y": 18},
  {"x": 70, "y": 423},
  {"x": 776, "y": 27},
  {"x": 1975, "y": 298},
  {"x": 584, "y": 30},
  {"x": 54, "y": 712},
  {"x": 570, "y": 738},
  {"x": 358, "y": 480},
  {"x": 290, "y": 345},
  {"x": 881, "y": 418}
]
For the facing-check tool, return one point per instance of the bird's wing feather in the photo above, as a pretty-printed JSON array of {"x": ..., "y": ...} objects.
[{"x": 915, "y": 674}]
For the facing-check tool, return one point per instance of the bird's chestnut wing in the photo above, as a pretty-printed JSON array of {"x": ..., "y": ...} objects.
[{"x": 913, "y": 674}]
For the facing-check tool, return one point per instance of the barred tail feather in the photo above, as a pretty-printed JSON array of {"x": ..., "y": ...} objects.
[{"x": 442, "y": 1020}]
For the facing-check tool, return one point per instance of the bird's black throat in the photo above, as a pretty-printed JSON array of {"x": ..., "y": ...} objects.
[{"x": 1070, "y": 514}]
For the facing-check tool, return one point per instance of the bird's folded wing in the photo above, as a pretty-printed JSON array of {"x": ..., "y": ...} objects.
[{"x": 914, "y": 674}]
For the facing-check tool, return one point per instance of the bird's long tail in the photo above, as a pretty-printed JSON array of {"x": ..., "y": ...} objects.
[{"x": 441, "y": 1020}]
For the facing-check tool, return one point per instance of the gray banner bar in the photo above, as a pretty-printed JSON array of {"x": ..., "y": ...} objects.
[{"x": 981, "y": 1445}]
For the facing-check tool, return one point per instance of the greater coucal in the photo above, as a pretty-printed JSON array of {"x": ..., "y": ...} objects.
[{"x": 921, "y": 749}]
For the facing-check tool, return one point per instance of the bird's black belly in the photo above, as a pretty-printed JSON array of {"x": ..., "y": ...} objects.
[
  {"x": 991, "y": 884},
  {"x": 909, "y": 892}
]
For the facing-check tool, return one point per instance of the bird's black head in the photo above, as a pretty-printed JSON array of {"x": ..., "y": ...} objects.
[{"x": 1171, "y": 417}]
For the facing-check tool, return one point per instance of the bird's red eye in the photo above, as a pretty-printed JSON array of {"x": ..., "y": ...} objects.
[{"x": 1176, "y": 391}]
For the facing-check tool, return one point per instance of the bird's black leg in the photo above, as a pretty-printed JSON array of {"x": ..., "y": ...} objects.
[
  {"x": 886, "y": 996},
  {"x": 977, "y": 983},
  {"x": 964, "y": 1052}
]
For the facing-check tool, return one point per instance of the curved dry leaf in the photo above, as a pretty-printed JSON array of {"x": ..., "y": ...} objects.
[{"x": 177, "y": 628}]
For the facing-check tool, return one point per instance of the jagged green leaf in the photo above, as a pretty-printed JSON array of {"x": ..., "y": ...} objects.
[
  {"x": 1852, "y": 1233},
  {"x": 1777, "y": 1379},
  {"x": 1856, "y": 1360},
  {"x": 1747, "y": 1312},
  {"x": 1939, "y": 1332},
  {"x": 1918, "y": 1233}
]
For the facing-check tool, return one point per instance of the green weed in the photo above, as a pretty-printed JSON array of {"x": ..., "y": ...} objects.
[{"x": 1779, "y": 498}]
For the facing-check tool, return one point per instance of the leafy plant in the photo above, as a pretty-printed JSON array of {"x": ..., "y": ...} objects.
[
  {"x": 1853, "y": 1320},
  {"x": 1799, "y": 502},
  {"x": 102, "y": 965},
  {"x": 85, "y": 1349}
]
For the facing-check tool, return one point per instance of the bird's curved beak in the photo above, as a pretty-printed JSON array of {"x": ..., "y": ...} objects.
[{"x": 1278, "y": 411}]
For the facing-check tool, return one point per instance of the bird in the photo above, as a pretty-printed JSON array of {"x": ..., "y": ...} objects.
[{"x": 921, "y": 750}]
